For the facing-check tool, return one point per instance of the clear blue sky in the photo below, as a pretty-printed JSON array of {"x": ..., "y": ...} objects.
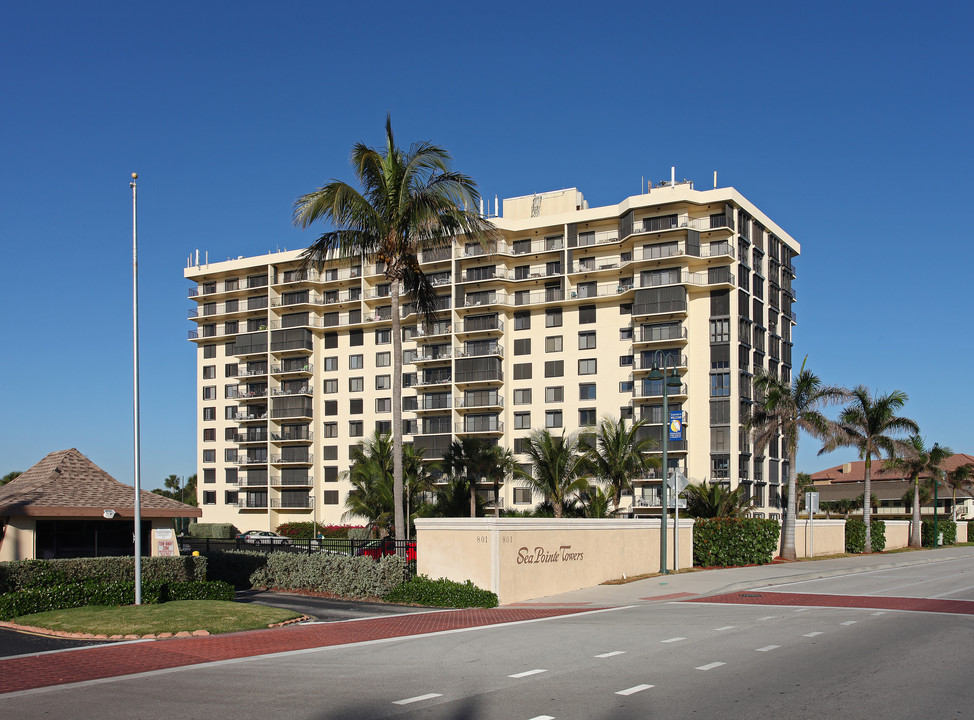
[{"x": 849, "y": 124}]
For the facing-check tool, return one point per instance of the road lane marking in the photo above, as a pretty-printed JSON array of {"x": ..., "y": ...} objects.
[
  {"x": 418, "y": 698},
  {"x": 676, "y": 639},
  {"x": 611, "y": 654},
  {"x": 802, "y": 610},
  {"x": 633, "y": 690},
  {"x": 768, "y": 617},
  {"x": 811, "y": 634},
  {"x": 849, "y": 622},
  {"x": 881, "y": 612},
  {"x": 953, "y": 592},
  {"x": 710, "y": 666},
  {"x": 726, "y": 627},
  {"x": 526, "y": 673},
  {"x": 543, "y": 717},
  {"x": 767, "y": 648}
]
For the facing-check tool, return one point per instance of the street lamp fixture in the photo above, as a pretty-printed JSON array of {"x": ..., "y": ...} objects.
[{"x": 670, "y": 379}]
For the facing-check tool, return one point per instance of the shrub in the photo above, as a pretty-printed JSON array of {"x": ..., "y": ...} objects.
[
  {"x": 307, "y": 530},
  {"x": 855, "y": 535},
  {"x": 224, "y": 531},
  {"x": 422, "y": 590},
  {"x": 945, "y": 526},
  {"x": 28, "y": 574},
  {"x": 359, "y": 533},
  {"x": 723, "y": 541},
  {"x": 359, "y": 577}
]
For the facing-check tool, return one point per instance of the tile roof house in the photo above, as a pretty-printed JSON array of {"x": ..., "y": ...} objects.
[{"x": 66, "y": 506}]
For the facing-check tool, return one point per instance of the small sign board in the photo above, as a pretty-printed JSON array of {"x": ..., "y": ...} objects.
[
  {"x": 165, "y": 542},
  {"x": 677, "y": 481},
  {"x": 811, "y": 502},
  {"x": 676, "y": 425}
]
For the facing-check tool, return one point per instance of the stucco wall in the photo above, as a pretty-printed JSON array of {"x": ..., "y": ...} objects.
[
  {"x": 526, "y": 558},
  {"x": 822, "y": 537},
  {"x": 897, "y": 534},
  {"x": 18, "y": 539}
]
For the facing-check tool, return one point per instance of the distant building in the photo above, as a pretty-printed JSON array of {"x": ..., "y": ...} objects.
[
  {"x": 847, "y": 481},
  {"x": 555, "y": 329},
  {"x": 66, "y": 506}
]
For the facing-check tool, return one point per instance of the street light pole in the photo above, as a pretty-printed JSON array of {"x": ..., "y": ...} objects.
[
  {"x": 667, "y": 359},
  {"x": 135, "y": 395}
]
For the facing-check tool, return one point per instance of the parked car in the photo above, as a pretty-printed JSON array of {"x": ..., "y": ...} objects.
[
  {"x": 387, "y": 546},
  {"x": 262, "y": 537}
]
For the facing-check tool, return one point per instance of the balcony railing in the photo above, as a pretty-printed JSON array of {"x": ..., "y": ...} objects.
[
  {"x": 282, "y": 460},
  {"x": 537, "y": 298},
  {"x": 301, "y": 503},
  {"x": 291, "y": 481},
  {"x": 672, "y": 359},
  {"x": 660, "y": 308},
  {"x": 474, "y": 427},
  {"x": 655, "y": 389},
  {"x": 256, "y": 460},
  {"x": 303, "y": 390},
  {"x": 296, "y": 435},
  {"x": 479, "y": 402},
  {"x": 483, "y": 325},
  {"x": 296, "y": 368},
  {"x": 480, "y": 376},
  {"x": 604, "y": 290},
  {"x": 433, "y": 331},
  {"x": 494, "y": 349},
  {"x": 428, "y": 355},
  {"x": 648, "y": 336},
  {"x": 252, "y": 503}
]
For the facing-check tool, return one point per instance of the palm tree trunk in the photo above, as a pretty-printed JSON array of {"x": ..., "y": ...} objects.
[
  {"x": 557, "y": 507},
  {"x": 397, "y": 489},
  {"x": 473, "y": 498},
  {"x": 788, "y": 551},
  {"x": 867, "y": 504},
  {"x": 915, "y": 540},
  {"x": 497, "y": 498}
]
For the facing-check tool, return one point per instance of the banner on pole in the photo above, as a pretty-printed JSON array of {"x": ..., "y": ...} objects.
[{"x": 676, "y": 425}]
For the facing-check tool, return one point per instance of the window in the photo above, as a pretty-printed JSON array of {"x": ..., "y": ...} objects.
[
  {"x": 625, "y": 386},
  {"x": 356, "y": 337},
  {"x": 383, "y": 337},
  {"x": 552, "y": 317},
  {"x": 331, "y": 430},
  {"x": 552, "y": 419},
  {"x": 625, "y": 360},
  {"x": 522, "y": 496},
  {"x": 586, "y": 417},
  {"x": 383, "y": 382},
  {"x": 230, "y": 370},
  {"x": 554, "y": 368},
  {"x": 355, "y": 428},
  {"x": 586, "y": 391},
  {"x": 331, "y": 364},
  {"x": 209, "y": 475},
  {"x": 553, "y": 344},
  {"x": 586, "y": 340},
  {"x": 229, "y": 412},
  {"x": 625, "y": 333},
  {"x": 625, "y": 412},
  {"x": 384, "y": 427},
  {"x": 229, "y": 434},
  {"x": 720, "y": 331},
  {"x": 209, "y": 413},
  {"x": 554, "y": 394},
  {"x": 625, "y": 309},
  {"x": 720, "y": 412},
  {"x": 408, "y": 357},
  {"x": 522, "y": 371},
  {"x": 209, "y": 372},
  {"x": 209, "y": 456},
  {"x": 209, "y": 351},
  {"x": 720, "y": 385},
  {"x": 383, "y": 359},
  {"x": 522, "y": 397},
  {"x": 330, "y": 497},
  {"x": 521, "y": 445},
  {"x": 209, "y": 392},
  {"x": 209, "y": 497},
  {"x": 355, "y": 406},
  {"x": 230, "y": 455},
  {"x": 522, "y": 347},
  {"x": 720, "y": 439},
  {"x": 356, "y": 384},
  {"x": 230, "y": 497},
  {"x": 331, "y": 341},
  {"x": 355, "y": 362},
  {"x": 586, "y": 314},
  {"x": 522, "y": 320},
  {"x": 209, "y": 435},
  {"x": 383, "y": 405},
  {"x": 522, "y": 421},
  {"x": 588, "y": 367},
  {"x": 331, "y": 386}
]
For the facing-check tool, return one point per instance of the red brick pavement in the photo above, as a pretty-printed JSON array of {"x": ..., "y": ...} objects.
[
  {"x": 106, "y": 661},
  {"x": 960, "y": 607}
]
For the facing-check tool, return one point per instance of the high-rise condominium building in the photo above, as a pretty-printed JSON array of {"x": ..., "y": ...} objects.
[{"x": 556, "y": 327}]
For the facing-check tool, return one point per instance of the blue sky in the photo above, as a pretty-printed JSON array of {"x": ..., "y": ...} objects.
[{"x": 848, "y": 124}]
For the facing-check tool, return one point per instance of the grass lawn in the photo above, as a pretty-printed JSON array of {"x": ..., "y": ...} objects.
[{"x": 217, "y": 616}]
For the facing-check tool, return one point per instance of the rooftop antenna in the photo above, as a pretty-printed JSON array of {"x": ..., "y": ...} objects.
[
  {"x": 497, "y": 207},
  {"x": 481, "y": 207},
  {"x": 673, "y": 175},
  {"x": 715, "y": 179}
]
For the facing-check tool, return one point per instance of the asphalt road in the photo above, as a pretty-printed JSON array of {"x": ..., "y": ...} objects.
[
  {"x": 14, "y": 643},
  {"x": 325, "y": 609},
  {"x": 647, "y": 660}
]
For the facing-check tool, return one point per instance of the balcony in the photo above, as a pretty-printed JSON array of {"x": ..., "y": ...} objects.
[
  {"x": 472, "y": 275},
  {"x": 468, "y": 428},
  {"x": 245, "y": 394},
  {"x": 303, "y": 390},
  {"x": 641, "y": 364},
  {"x": 668, "y": 307},
  {"x": 247, "y": 503},
  {"x": 524, "y": 247},
  {"x": 435, "y": 255},
  {"x": 684, "y": 222},
  {"x": 427, "y": 354},
  {"x": 668, "y": 334},
  {"x": 494, "y": 349},
  {"x": 298, "y": 503},
  {"x": 435, "y": 330},
  {"x": 477, "y": 250},
  {"x": 601, "y": 237},
  {"x": 469, "y": 378},
  {"x": 479, "y": 401},
  {"x": 255, "y": 435},
  {"x": 603, "y": 290},
  {"x": 486, "y": 300},
  {"x": 299, "y": 368},
  {"x": 428, "y": 379},
  {"x": 307, "y": 459},
  {"x": 479, "y": 325},
  {"x": 654, "y": 389},
  {"x": 293, "y": 435},
  {"x": 252, "y": 482},
  {"x": 255, "y": 414},
  {"x": 685, "y": 278},
  {"x": 521, "y": 299},
  {"x": 278, "y": 346},
  {"x": 278, "y": 481},
  {"x": 252, "y": 370},
  {"x": 251, "y": 460}
]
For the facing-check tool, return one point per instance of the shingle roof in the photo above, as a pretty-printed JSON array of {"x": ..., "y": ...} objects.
[
  {"x": 66, "y": 483},
  {"x": 856, "y": 471}
]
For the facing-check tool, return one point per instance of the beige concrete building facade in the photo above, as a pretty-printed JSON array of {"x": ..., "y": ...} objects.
[{"x": 556, "y": 328}]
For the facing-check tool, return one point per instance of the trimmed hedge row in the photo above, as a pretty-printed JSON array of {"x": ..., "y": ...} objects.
[
  {"x": 855, "y": 535},
  {"x": 321, "y": 572},
  {"x": 223, "y": 531},
  {"x": 422, "y": 590},
  {"x": 70, "y": 595},
  {"x": 724, "y": 542},
  {"x": 308, "y": 530},
  {"x": 27, "y": 574},
  {"x": 945, "y": 526}
]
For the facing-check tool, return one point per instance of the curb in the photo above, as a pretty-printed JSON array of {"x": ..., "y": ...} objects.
[{"x": 47, "y": 632}]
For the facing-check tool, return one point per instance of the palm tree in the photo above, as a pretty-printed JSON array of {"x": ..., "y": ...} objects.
[
  {"x": 709, "y": 500},
  {"x": 417, "y": 479},
  {"x": 784, "y": 409},
  {"x": 870, "y": 425},
  {"x": 803, "y": 484},
  {"x": 558, "y": 469},
  {"x": 597, "y": 502},
  {"x": 370, "y": 475},
  {"x": 409, "y": 201},
  {"x": 476, "y": 460},
  {"x": 960, "y": 479},
  {"x": 620, "y": 456},
  {"x": 915, "y": 458},
  {"x": 452, "y": 499}
]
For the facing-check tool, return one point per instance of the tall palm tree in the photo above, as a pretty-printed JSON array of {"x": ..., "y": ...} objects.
[
  {"x": 709, "y": 500},
  {"x": 915, "y": 459},
  {"x": 803, "y": 484},
  {"x": 870, "y": 425},
  {"x": 452, "y": 499},
  {"x": 410, "y": 201},
  {"x": 417, "y": 479},
  {"x": 620, "y": 456},
  {"x": 960, "y": 479},
  {"x": 476, "y": 460},
  {"x": 784, "y": 409},
  {"x": 558, "y": 470},
  {"x": 370, "y": 474}
]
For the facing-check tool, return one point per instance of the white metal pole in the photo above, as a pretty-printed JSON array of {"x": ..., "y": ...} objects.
[
  {"x": 135, "y": 396},
  {"x": 676, "y": 524}
]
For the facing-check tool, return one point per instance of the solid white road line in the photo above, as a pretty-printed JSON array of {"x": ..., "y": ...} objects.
[
  {"x": 543, "y": 717},
  {"x": 418, "y": 698},
  {"x": 849, "y": 622},
  {"x": 710, "y": 666},
  {"x": 767, "y": 648},
  {"x": 811, "y": 634},
  {"x": 726, "y": 627},
  {"x": 676, "y": 639},
  {"x": 611, "y": 654},
  {"x": 526, "y": 673},
  {"x": 953, "y": 592},
  {"x": 633, "y": 690},
  {"x": 802, "y": 610},
  {"x": 768, "y": 617},
  {"x": 881, "y": 612}
]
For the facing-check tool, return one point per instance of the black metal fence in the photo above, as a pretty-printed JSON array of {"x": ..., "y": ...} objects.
[{"x": 374, "y": 549}]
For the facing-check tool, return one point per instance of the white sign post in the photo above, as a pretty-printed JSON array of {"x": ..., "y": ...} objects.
[
  {"x": 811, "y": 504},
  {"x": 678, "y": 482}
]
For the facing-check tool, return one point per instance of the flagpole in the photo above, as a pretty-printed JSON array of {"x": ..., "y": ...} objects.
[{"x": 135, "y": 378}]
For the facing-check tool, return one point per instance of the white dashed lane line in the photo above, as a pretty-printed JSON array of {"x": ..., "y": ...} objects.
[
  {"x": 611, "y": 654},
  {"x": 543, "y": 717},
  {"x": 767, "y": 648},
  {"x": 811, "y": 634},
  {"x": 767, "y": 617},
  {"x": 726, "y": 627},
  {"x": 881, "y": 612},
  {"x": 633, "y": 690},
  {"x": 849, "y": 622},
  {"x": 527, "y": 673},
  {"x": 418, "y": 698},
  {"x": 710, "y": 666},
  {"x": 676, "y": 639}
]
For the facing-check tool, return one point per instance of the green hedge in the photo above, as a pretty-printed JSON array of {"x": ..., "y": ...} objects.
[
  {"x": 27, "y": 574},
  {"x": 855, "y": 535},
  {"x": 441, "y": 593},
  {"x": 69, "y": 595},
  {"x": 307, "y": 530},
  {"x": 945, "y": 526},
  {"x": 723, "y": 542},
  {"x": 223, "y": 531}
]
